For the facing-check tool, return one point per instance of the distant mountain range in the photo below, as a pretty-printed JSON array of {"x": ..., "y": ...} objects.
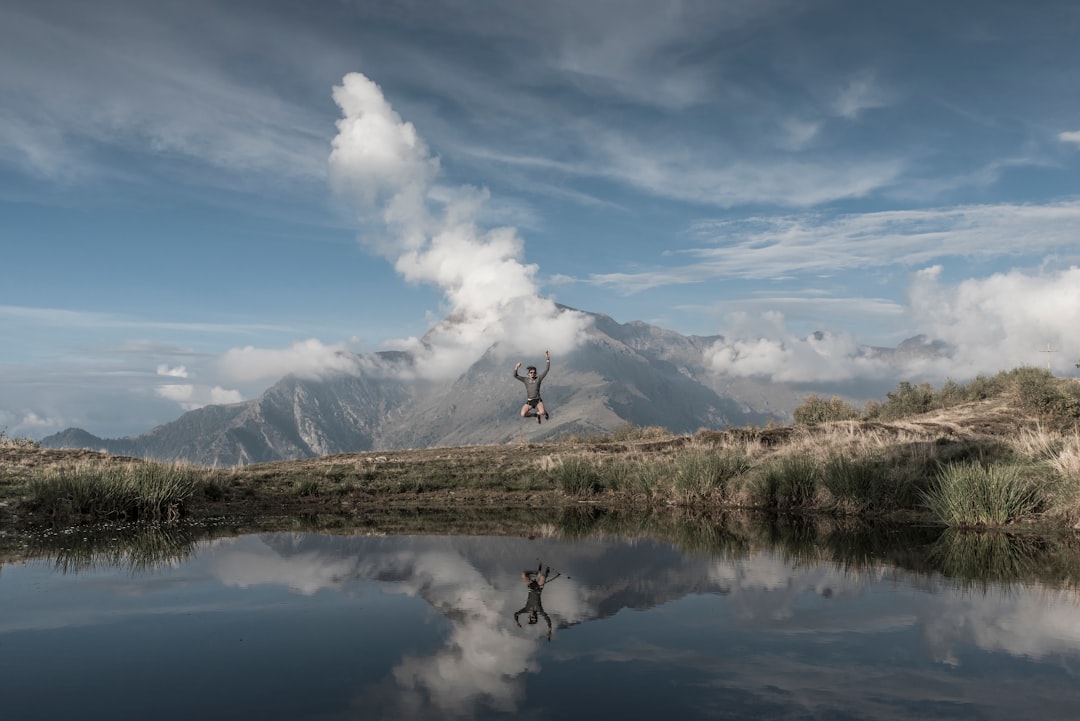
[{"x": 623, "y": 373}]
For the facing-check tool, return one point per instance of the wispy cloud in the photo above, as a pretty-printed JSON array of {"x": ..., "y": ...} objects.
[
  {"x": 80, "y": 319},
  {"x": 86, "y": 82},
  {"x": 861, "y": 93},
  {"x": 778, "y": 246},
  {"x": 1071, "y": 136}
]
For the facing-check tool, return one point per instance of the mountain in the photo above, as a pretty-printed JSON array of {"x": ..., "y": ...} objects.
[{"x": 633, "y": 372}]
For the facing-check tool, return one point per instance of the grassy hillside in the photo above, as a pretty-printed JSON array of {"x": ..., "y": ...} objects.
[{"x": 998, "y": 451}]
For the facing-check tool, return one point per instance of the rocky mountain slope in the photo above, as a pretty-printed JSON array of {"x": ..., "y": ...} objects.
[{"x": 631, "y": 372}]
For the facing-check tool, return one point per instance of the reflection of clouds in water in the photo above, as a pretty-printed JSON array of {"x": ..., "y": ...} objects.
[
  {"x": 765, "y": 586},
  {"x": 480, "y": 659},
  {"x": 1033, "y": 622},
  {"x": 305, "y": 573},
  {"x": 483, "y": 658},
  {"x": 1030, "y": 622}
]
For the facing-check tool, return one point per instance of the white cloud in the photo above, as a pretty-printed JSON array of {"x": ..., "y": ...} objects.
[
  {"x": 190, "y": 396},
  {"x": 725, "y": 179},
  {"x": 991, "y": 324},
  {"x": 33, "y": 420},
  {"x": 1002, "y": 321},
  {"x": 310, "y": 358},
  {"x": 145, "y": 84},
  {"x": 177, "y": 372},
  {"x": 380, "y": 162},
  {"x": 179, "y": 392},
  {"x": 224, "y": 396},
  {"x": 1072, "y": 136},
  {"x": 771, "y": 247}
]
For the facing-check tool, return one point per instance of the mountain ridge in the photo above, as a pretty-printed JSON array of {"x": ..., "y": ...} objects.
[{"x": 622, "y": 373}]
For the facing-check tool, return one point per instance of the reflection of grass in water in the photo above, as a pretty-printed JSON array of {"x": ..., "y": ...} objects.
[
  {"x": 134, "y": 548},
  {"x": 974, "y": 559},
  {"x": 984, "y": 558},
  {"x": 691, "y": 533},
  {"x": 851, "y": 544}
]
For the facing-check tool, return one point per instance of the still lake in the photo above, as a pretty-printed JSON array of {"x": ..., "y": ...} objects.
[{"x": 755, "y": 624}]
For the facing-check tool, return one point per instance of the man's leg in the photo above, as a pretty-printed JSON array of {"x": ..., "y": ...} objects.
[
  {"x": 540, "y": 410},
  {"x": 525, "y": 410}
]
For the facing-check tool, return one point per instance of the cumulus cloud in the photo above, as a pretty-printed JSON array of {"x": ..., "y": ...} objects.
[
  {"x": 178, "y": 392},
  {"x": 309, "y": 359},
  {"x": 381, "y": 164},
  {"x": 190, "y": 396},
  {"x": 1002, "y": 321},
  {"x": 987, "y": 325}
]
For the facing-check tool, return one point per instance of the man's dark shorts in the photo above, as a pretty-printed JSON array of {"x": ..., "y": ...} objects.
[{"x": 533, "y": 401}]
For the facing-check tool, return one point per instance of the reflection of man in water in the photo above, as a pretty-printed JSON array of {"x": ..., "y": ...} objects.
[{"x": 535, "y": 581}]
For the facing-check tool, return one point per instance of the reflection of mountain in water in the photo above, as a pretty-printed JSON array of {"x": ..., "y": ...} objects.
[
  {"x": 753, "y": 612},
  {"x": 605, "y": 577}
]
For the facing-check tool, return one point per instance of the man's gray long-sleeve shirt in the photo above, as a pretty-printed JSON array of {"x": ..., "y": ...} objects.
[{"x": 532, "y": 385}]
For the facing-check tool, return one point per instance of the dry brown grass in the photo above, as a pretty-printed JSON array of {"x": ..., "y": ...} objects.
[{"x": 645, "y": 467}]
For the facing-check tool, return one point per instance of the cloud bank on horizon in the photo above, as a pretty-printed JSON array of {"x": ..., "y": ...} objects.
[{"x": 793, "y": 177}]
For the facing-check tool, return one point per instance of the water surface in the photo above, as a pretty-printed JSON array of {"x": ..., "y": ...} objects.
[{"x": 311, "y": 626}]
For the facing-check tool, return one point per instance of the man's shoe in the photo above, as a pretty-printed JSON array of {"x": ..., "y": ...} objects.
[
  {"x": 546, "y": 415},
  {"x": 538, "y": 418}
]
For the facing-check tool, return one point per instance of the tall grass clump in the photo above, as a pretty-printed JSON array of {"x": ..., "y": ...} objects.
[
  {"x": 150, "y": 490},
  {"x": 634, "y": 475},
  {"x": 858, "y": 483},
  {"x": 704, "y": 473},
  {"x": 969, "y": 494},
  {"x": 787, "y": 483},
  {"x": 578, "y": 477}
]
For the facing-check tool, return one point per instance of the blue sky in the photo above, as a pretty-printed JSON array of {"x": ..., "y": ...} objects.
[{"x": 198, "y": 197}]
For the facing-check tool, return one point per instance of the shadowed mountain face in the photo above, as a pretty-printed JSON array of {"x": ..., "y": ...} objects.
[{"x": 633, "y": 373}]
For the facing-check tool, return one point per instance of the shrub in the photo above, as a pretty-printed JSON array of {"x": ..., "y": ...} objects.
[
  {"x": 1043, "y": 395},
  {"x": 907, "y": 400},
  {"x": 17, "y": 442},
  {"x": 629, "y": 432},
  {"x": 815, "y": 409},
  {"x": 971, "y": 494}
]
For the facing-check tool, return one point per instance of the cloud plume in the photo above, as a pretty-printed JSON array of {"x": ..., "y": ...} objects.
[{"x": 491, "y": 296}]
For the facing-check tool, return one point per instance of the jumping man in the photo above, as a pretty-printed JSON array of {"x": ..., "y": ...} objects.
[{"x": 534, "y": 404}]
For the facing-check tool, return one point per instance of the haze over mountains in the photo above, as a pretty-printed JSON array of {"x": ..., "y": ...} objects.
[{"x": 621, "y": 373}]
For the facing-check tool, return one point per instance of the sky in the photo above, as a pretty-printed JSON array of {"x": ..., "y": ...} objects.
[{"x": 200, "y": 197}]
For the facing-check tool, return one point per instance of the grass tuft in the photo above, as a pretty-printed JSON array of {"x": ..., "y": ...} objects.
[
  {"x": 578, "y": 477},
  {"x": 137, "y": 491},
  {"x": 969, "y": 494}
]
